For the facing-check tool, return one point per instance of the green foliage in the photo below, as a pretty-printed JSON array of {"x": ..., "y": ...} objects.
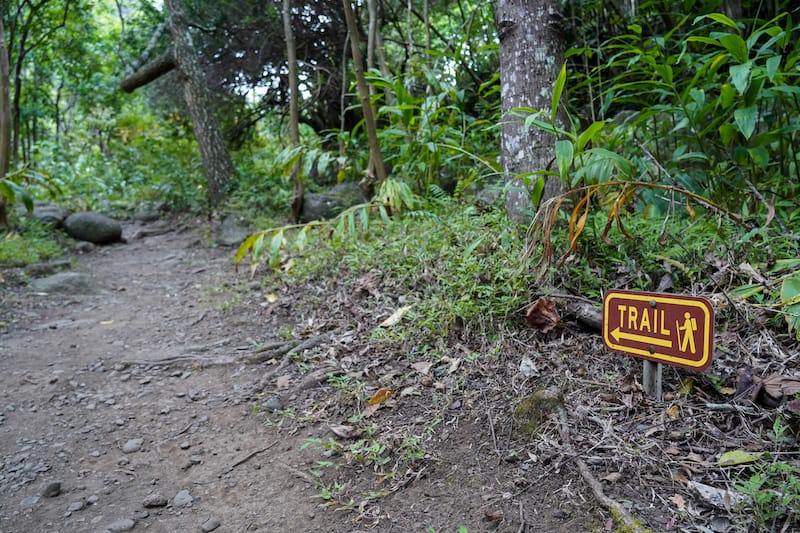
[
  {"x": 32, "y": 243},
  {"x": 22, "y": 185},
  {"x": 708, "y": 107},
  {"x": 773, "y": 487}
]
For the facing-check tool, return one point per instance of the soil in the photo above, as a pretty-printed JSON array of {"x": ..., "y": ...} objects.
[{"x": 173, "y": 374}]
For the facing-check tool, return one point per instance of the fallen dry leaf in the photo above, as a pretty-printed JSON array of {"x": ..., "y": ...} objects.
[
  {"x": 423, "y": 367},
  {"x": 395, "y": 317},
  {"x": 408, "y": 391},
  {"x": 679, "y": 501},
  {"x": 779, "y": 386},
  {"x": 489, "y": 516},
  {"x": 527, "y": 368},
  {"x": 370, "y": 410},
  {"x": 381, "y": 395},
  {"x": 542, "y": 315},
  {"x": 283, "y": 382},
  {"x": 345, "y": 431},
  {"x": 613, "y": 477}
]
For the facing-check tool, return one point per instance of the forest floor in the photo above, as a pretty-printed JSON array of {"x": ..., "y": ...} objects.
[{"x": 174, "y": 394}]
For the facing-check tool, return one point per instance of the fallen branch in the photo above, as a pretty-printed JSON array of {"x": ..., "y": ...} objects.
[
  {"x": 249, "y": 456},
  {"x": 284, "y": 349},
  {"x": 167, "y": 361},
  {"x": 620, "y": 514}
]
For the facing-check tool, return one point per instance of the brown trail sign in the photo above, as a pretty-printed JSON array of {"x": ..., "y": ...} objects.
[{"x": 663, "y": 328}]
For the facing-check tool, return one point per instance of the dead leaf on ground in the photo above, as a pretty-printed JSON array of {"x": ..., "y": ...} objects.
[
  {"x": 527, "y": 368},
  {"x": 368, "y": 284},
  {"x": 492, "y": 516},
  {"x": 370, "y": 410},
  {"x": 779, "y": 386},
  {"x": 395, "y": 317},
  {"x": 381, "y": 395},
  {"x": 408, "y": 391},
  {"x": 738, "y": 457},
  {"x": 613, "y": 477},
  {"x": 679, "y": 501},
  {"x": 423, "y": 367},
  {"x": 542, "y": 315},
  {"x": 283, "y": 382},
  {"x": 632, "y": 391},
  {"x": 345, "y": 431}
]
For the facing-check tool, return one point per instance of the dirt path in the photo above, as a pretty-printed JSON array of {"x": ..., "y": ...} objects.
[
  {"x": 131, "y": 443},
  {"x": 72, "y": 401}
]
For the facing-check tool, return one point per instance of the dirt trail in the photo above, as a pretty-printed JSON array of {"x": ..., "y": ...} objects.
[
  {"x": 71, "y": 401},
  {"x": 135, "y": 444}
]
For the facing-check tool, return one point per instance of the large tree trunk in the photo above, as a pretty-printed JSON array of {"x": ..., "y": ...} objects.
[
  {"x": 294, "y": 107},
  {"x": 5, "y": 121},
  {"x": 217, "y": 165},
  {"x": 363, "y": 93},
  {"x": 531, "y": 55}
]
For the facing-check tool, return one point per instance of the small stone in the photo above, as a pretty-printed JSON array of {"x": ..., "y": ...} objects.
[
  {"x": 125, "y": 524},
  {"x": 273, "y": 403},
  {"x": 133, "y": 445},
  {"x": 30, "y": 501},
  {"x": 182, "y": 499},
  {"x": 210, "y": 525},
  {"x": 92, "y": 499},
  {"x": 185, "y": 445},
  {"x": 140, "y": 515},
  {"x": 155, "y": 500},
  {"x": 75, "y": 506},
  {"x": 52, "y": 489}
]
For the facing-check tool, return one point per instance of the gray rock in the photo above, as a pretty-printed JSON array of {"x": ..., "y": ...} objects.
[
  {"x": 133, "y": 445},
  {"x": 46, "y": 269},
  {"x": 125, "y": 524},
  {"x": 273, "y": 403},
  {"x": 231, "y": 232},
  {"x": 68, "y": 282},
  {"x": 93, "y": 227},
  {"x": 322, "y": 206},
  {"x": 149, "y": 211},
  {"x": 50, "y": 214},
  {"x": 84, "y": 247},
  {"x": 210, "y": 525},
  {"x": 182, "y": 499},
  {"x": 52, "y": 489},
  {"x": 75, "y": 506},
  {"x": 30, "y": 501},
  {"x": 155, "y": 500}
]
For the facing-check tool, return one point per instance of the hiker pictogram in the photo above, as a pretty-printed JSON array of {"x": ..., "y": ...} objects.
[{"x": 686, "y": 333}]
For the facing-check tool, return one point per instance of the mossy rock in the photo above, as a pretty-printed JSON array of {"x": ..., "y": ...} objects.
[{"x": 536, "y": 408}]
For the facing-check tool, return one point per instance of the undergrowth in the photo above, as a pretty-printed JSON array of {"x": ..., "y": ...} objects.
[{"x": 29, "y": 242}]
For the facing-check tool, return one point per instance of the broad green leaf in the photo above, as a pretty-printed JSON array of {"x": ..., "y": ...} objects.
[
  {"x": 245, "y": 247},
  {"x": 363, "y": 215},
  {"x": 589, "y": 133},
  {"x": 738, "y": 457},
  {"x": 302, "y": 238},
  {"x": 7, "y": 191},
  {"x": 740, "y": 76},
  {"x": 718, "y": 17},
  {"x": 745, "y": 119},
  {"x": 275, "y": 250},
  {"x": 772, "y": 67},
  {"x": 564, "y": 154},
  {"x": 790, "y": 290},
  {"x": 558, "y": 89},
  {"x": 258, "y": 248},
  {"x": 727, "y": 133},
  {"x": 747, "y": 291},
  {"x": 537, "y": 190},
  {"x": 793, "y": 319},
  {"x": 735, "y": 46},
  {"x": 759, "y": 155},
  {"x": 785, "y": 264}
]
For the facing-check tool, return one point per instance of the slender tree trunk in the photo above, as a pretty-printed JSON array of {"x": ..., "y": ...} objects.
[
  {"x": 294, "y": 108},
  {"x": 531, "y": 55},
  {"x": 363, "y": 93},
  {"x": 5, "y": 121},
  {"x": 217, "y": 165}
]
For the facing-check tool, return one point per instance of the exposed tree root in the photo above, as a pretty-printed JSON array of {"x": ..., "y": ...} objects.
[{"x": 620, "y": 514}]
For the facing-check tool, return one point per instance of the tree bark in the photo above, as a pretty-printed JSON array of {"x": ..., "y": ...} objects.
[
  {"x": 531, "y": 55},
  {"x": 149, "y": 72},
  {"x": 363, "y": 93},
  {"x": 5, "y": 121},
  {"x": 217, "y": 165},
  {"x": 294, "y": 107}
]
